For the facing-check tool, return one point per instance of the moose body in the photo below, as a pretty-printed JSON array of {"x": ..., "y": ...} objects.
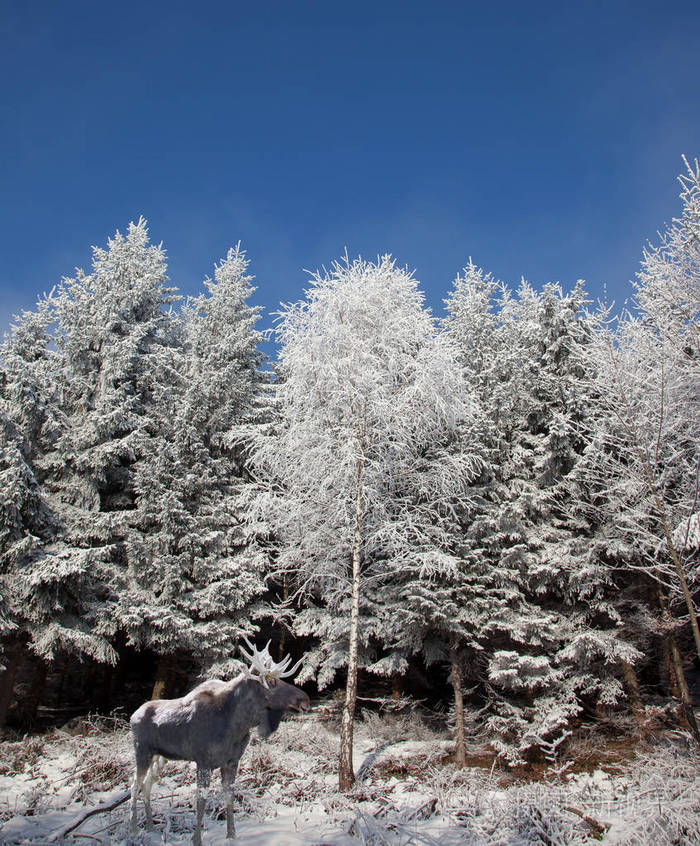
[{"x": 211, "y": 726}]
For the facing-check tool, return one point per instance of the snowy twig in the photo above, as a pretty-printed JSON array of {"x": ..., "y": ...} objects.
[
  {"x": 598, "y": 828},
  {"x": 100, "y": 809}
]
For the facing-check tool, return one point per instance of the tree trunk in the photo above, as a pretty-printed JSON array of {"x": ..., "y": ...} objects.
[
  {"x": 456, "y": 676},
  {"x": 346, "y": 772},
  {"x": 670, "y": 672},
  {"x": 164, "y": 672},
  {"x": 685, "y": 590},
  {"x": 7, "y": 679},
  {"x": 283, "y": 628},
  {"x": 686, "y": 701},
  {"x": 634, "y": 694},
  {"x": 677, "y": 663},
  {"x": 397, "y": 681}
]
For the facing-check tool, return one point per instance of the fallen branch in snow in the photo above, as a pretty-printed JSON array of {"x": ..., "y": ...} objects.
[
  {"x": 599, "y": 829},
  {"x": 100, "y": 809}
]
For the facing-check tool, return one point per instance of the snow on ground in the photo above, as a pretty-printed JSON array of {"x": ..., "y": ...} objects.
[{"x": 408, "y": 792}]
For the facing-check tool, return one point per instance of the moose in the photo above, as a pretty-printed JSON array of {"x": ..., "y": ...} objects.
[{"x": 211, "y": 726}]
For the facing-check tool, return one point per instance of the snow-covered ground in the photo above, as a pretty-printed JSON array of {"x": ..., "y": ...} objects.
[{"x": 408, "y": 792}]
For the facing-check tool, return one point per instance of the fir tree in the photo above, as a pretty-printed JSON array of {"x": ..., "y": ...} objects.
[
  {"x": 534, "y": 597},
  {"x": 113, "y": 333},
  {"x": 50, "y": 582},
  {"x": 194, "y": 574}
]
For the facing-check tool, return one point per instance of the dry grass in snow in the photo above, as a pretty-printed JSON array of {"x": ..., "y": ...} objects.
[{"x": 408, "y": 792}]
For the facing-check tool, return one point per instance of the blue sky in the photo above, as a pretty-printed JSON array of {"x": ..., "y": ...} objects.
[{"x": 542, "y": 139}]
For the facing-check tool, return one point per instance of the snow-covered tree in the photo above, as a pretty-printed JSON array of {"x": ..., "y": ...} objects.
[
  {"x": 645, "y": 458},
  {"x": 193, "y": 573},
  {"x": 50, "y": 583},
  {"x": 30, "y": 424},
  {"x": 113, "y": 333},
  {"x": 538, "y": 609},
  {"x": 367, "y": 388}
]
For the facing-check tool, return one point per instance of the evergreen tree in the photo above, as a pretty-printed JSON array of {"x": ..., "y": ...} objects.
[
  {"x": 113, "y": 334},
  {"x": 49, "y": 581},
  {"x": 194, "y": 574},
  {"x": 538, "y": 609}
]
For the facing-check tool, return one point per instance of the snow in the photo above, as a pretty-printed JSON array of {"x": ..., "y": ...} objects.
[{"x": 407, "y": 793}]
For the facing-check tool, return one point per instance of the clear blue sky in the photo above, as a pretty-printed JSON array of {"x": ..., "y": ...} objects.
[{"x": 542, "y": 139}]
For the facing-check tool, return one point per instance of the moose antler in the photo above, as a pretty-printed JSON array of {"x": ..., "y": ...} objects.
[{"x": 262, "y": 663}]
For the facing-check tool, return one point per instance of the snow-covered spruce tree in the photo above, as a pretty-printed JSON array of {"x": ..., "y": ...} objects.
[
  {"x": 483, "y": 591},
  {"x": 114, "y": 333},
  {"x": 20, "y": 501},
  {"x": 646, "y": 454},
  {"x": 194, "y": 575},
  {"x": 30, "y": 425},
  {"x": 539, "y": 610},
  {"x": 49, "y": 582},
  {"x": 367, "y": 387}
]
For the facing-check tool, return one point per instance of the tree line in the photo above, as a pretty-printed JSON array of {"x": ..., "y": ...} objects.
[{"x": 506, "y": 497}]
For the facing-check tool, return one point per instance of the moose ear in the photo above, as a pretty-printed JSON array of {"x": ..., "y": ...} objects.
[{"x": 271, "y": 719}]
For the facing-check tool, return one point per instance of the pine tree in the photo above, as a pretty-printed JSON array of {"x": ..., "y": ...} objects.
[
  {"x": 538, "y": 610},
  {"x": 194, "y": 575},
  {"x": 113, "y": 333},
  {"x": 50, "y": 583}
]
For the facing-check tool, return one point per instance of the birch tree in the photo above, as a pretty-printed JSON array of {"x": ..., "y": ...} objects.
[
  {"x": 366, "y": 386},
  {"x": 649, "y": 373},
  {"x": 646, "y": 453}
]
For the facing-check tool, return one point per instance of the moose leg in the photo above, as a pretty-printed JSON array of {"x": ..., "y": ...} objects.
[
  {"x": 142, "y": 767},
  {"x": 228, "y": 773},
  {"x": 152, "y": 776},
  {"x": 203, "y": 778}
]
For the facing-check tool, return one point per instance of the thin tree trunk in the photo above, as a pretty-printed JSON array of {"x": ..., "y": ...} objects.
[
  {"x": 677, "y": 662},
  {"x": 634, "y": 694},
  {"x": 686, "y": 701},
  {"x": 397, "y": 681},
  {"x": 346, "y": 773},
  {"x": 685, "y": 590},
  {"x": 164, "y": 672},
  {"x": 283, "y": 628},
  {"x": 7, "y": 679},
  {"x": 456, "y": 676},
  {"x": 670, "y": 672}
]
